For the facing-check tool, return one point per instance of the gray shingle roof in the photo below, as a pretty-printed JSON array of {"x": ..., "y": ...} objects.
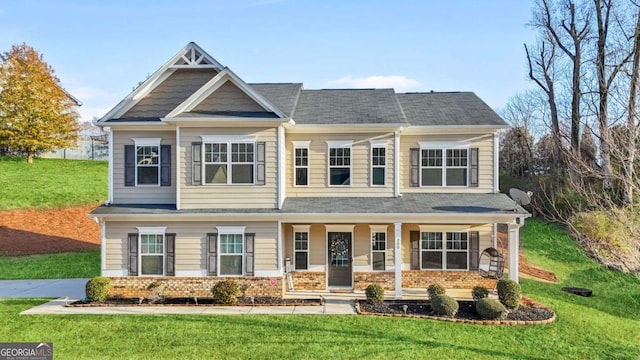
[
  {"x": 281, "y": 95},
  {"x": 407, "y": 204},
  {"x": 348, "y": 106},
  {"x": 454, "y": 108}
]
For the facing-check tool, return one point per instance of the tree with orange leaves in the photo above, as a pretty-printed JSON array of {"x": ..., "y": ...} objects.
[{"x": 36, "y": 114}]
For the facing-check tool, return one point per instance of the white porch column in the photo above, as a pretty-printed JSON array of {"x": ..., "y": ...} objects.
[
  {"x": 397, "y": 254},
  {"x": 514, "y": 247}
]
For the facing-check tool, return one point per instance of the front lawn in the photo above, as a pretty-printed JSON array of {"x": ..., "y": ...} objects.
[
  {"x": 602, "y": 327},
  {"x": 51, "y": 183},
  {"x": 82, "y": 264}
]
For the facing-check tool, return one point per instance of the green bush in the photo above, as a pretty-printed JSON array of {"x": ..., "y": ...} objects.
[
  {"x": 434, "y": 290},
  {"x": 375, "y": 293},
  {"x": 444, "y": 305},
  {"x": 479, "y": 292},
  {"x": 225, "y": 292},
  {"x": 490, "y": 309},
  {"x": 97, "y": 289},
  {"x": 509, "y": 293}
]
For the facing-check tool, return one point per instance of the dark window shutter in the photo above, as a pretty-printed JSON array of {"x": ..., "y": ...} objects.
[
  {"x": 212, "y": 253},
  {"x": 196, "y": 163},
  {"x": 170, "y": 258},
  {"x": 474, "y": 247},
  {"x": 165, "y": 165},
  {"x": 415, "y": 166},
  {"x": 133, "y": 254},
  {"x": 129, "y": 165},
  {"x": 473, "y": 167},
  {"x": 414, "y": 236},
  {"x": 249, "y": 242},
  {"x": 260, "y": 163}
]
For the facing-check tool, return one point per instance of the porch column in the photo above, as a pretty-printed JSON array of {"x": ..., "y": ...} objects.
[
  {"x": 514, "y": 247},
  {"x": 397, "y": 254}
]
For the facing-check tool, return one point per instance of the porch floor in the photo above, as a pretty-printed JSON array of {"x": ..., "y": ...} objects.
[{"x": 407, "y": 294}]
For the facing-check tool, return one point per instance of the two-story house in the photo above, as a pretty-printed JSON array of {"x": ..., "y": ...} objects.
[{"x": 211, "y": 178}]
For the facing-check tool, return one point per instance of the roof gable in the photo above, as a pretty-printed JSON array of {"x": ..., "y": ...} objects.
[
  {"x": 191, "y": 56},
  {"x": 227, "y": 93}
]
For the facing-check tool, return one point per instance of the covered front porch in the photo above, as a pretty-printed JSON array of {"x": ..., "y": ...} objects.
[
  {"x": 407, "y": 294},
  {"x": 403, "y": 244}
]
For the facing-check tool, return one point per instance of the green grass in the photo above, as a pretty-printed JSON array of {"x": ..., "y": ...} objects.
[
  {"x": 605, "y": 326},
  {"x": 51, "y": 183},
  {"x": 82, "y": 264}
]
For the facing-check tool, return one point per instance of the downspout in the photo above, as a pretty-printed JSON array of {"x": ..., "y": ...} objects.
[
  {"x": 177, "y": 168},
  {"x": 496, "y": 161},
  {"x": 396, "y": 163},
  {"x": 103, "y": 246},
  {"x": 281, "y": 180},
  {"x": 110, "y": 165}
]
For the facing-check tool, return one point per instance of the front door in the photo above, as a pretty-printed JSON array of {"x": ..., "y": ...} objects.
[{"x": 340, "y": 268}]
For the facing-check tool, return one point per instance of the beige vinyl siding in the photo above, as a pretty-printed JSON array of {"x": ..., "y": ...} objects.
[
  {"x": 318, "y": 245},
  {"x": 360, "y": 166},
  {"x": 229, "y": 97},
  {"x": 141, "y": 194},
  {"x": 191, "y": 242},
  {"x": 228, "y": 196},
  {"x": 485, "y": 236},
  {"x": 484, "y": 143}
]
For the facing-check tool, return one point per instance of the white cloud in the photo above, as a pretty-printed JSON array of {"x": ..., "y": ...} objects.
[{"x": 398, "y": 82}]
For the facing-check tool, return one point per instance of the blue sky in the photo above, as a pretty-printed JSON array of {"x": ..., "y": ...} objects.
[{"x": 101, "y": 49}]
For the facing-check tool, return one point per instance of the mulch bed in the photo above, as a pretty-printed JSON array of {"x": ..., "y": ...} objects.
[
  {"x": 528, "y": 312},
  {"x": 182, "y": 301},
  {"x": 28, "y": 232}
]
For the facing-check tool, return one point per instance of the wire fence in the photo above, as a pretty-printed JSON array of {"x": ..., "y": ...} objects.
[{"x": 94, "y": 148}]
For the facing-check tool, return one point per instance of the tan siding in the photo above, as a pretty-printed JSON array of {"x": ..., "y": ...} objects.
[
  {"x": 171, "y": 93},
  {"x": 362, "y": 245},
  {"x": 318, "y": 245},
  {"x": 191, "y": 247},
  {"x": 228, "y": 97},
  {"x": 484, "y": 142},
  {"x": 141, "y": 194},
  {"x": 318, "y": 166},
  {"x": 485, "y": 234},
  {"x": 228, "y": 196}
]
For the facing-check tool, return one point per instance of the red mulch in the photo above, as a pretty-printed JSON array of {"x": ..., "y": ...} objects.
[
  {"x": 26, "y": 232},
  {"x": 525, "y": 266}
]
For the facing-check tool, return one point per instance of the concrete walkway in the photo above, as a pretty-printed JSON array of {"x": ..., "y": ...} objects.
[
  {"x": 55, "y": 288},
  {"x": 331, "y": 307}
]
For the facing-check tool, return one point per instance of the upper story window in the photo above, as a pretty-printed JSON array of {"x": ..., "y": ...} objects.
[
  {"x": 378, "y": 162},
  {"x": 339, "y": 163},
  {"x": 444, "y": 164},
  {"x": 230, "y": 160},
  {"x": 147, "y": 163},
  {"x": 301, "y": 163}
]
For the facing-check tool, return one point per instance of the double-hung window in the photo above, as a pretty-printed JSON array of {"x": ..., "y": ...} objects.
[
  {"x": 378, "y": 162},
  {"x": 301, "y": 163},
  {"x": 231, "y": 253},
  {"x": 378, "y": 248},
  {"x": 443, "y": 165},
  {"x": 301, "y": 247},
  {"x": 229, "y": 162},
  {"x": 448, "y": 253},
  {"x": 339, "y": 163},
  {"x": 147, "y": 161},
  {"x": 152, "y": 251}
]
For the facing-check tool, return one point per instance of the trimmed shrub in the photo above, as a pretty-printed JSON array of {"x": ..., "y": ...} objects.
[
  {"x": 225, "y": 292},
  {"x": 479, "y": 292},
  {"x": 509, "y": 293},
  {"x": 156, "y": 292},
  {"x": 491, "y": 309},
  {"x": 444, "y": 305},
  {"x": 375, "y": 293},
  {"x": 97, "y": 289},
  {"x": 434, "y": 290}
]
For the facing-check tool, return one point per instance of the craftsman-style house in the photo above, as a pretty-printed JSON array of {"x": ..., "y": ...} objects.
[{"x": 285, "y": 189}]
